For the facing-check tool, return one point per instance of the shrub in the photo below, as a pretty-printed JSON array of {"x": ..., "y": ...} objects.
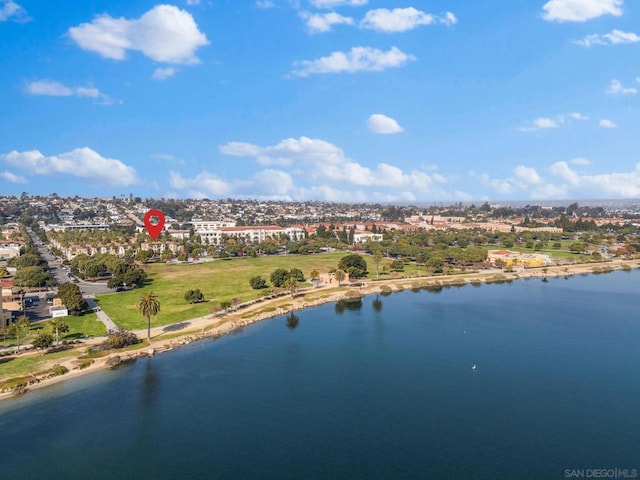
[
  {"x": 397, "y": 265},
  {"x": 58, "y": 370},
  {"x": 257, "y": 282},
  {"x": 118, "y": 339},
  {"x": 194, "y": 296}
]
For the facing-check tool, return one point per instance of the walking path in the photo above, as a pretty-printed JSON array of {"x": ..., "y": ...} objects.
[{"x": 103, "y": 317}]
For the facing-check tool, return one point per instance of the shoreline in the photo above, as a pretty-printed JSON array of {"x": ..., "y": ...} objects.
[{"x": 169, "y": 337}]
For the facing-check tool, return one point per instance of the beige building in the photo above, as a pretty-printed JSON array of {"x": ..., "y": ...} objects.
[{"x": 509, "y": 259}]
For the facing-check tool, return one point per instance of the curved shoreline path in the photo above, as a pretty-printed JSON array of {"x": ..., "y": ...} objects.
[{"x": 103, "y": 317}]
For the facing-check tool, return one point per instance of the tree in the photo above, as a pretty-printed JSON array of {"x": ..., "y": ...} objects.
[
  {"x": 397, "y": 265},
  {"x": 194, "y": 296},
  {"x": 32, "y": 277},
  {"x": 72, "y": 298},
  {"x": 225, "y": 305},
  {"x": 291, "y": 284},
  {"x": 355, "y": 264},
  {"x": 14, "y": 331},
  {"x": 577, "y": 247},
  {"x": 58, "y": 326},
  {"x": 436, "y": 263},
  {"x": 315, "y": 275},
  {"x": 297, "y": 274},
  {"x": 421, "y": 259},
  {"x": 19, "y": 328},
  {"x": 144, "y": 255},
  {"x": 42, "y": 341},
  {"x": 148, "y": 306},
  {"x": 279, "y": 276},
  {"x": 377, "y": 258},
  {"x": 257, "y": 282},
  {"x": 340, "y": 275}
]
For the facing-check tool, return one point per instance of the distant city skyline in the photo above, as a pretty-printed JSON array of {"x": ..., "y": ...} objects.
[{"x": 332, "y": 100}]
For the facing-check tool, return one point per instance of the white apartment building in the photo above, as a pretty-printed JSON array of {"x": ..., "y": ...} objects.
[
  {"x": 207, "y": 229},
  {"x": 254, "y": 234}
]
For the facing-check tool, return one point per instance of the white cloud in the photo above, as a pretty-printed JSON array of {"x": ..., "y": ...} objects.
[
  {"x": 240, "y": 149},
  {"x": 321, "y": 161},
  {"x": 527, "y": 175},
  {"x": 162, "y": 73},
  {"x": 52, "y": 88},
  {"x": 202, "y": 185},
  {"x": 565, "y": 182},
  {"x": 542, "y": 123},
  {"x": 580, "y": 10},
  {"x": 525, "y": 179},
  {"x": 402, "y": 19},
  {"x": 48, "y": 87},
  {"x": 580, "y": 161},
  {"x": 265, "y": 4},
  {"x": 379, "y": 123},
  {"x": 81, "y": 162},
  {"x": 359, "y": 59},
  {"x": 579, "y": 116},
  {"x": 11, "y": 10},
  {"x": 337, "y": 3},
  {"x": 616, "y": 88},
  {"x": 324, "y": 22},
  {"x": 12, "y": 177},
  {"x": 606, "y": 123},
  {"x": 616, "y": 37},
  {"x": 615, "y": 184},
  {"x": 165, "y": 34}
]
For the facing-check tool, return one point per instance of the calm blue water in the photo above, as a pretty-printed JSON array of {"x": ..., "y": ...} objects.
[{"x": 386, "y": 392}]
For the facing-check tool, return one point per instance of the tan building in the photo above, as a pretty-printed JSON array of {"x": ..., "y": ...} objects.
[{"x": 509, "y": 259}]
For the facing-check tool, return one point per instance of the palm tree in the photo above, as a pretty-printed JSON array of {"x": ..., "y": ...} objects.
[
  {"x": 16, "y": 329},
  {"x": 291, "y": 284},
  {"x": 58, "y": 326},
  {"x": 339, "y": 274},
  {"x": 148, "y": 305},
  {"x": 377, "y": 257}
]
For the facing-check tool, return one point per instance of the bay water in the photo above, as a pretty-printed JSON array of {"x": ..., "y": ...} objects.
[{"x": 385, "y": 388}]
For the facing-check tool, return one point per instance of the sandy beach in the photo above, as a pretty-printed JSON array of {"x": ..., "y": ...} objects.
[{"x": 168, "y": 337}]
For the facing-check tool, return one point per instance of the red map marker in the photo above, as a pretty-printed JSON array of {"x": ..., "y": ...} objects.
[{"x": 154, "y": 231}]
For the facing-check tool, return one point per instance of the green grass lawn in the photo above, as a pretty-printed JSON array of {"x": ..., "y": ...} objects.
[
  {"x": 88, "y": 324},
  {"x": 218, "y": 280},
  {"x": 23, "y": 365}
]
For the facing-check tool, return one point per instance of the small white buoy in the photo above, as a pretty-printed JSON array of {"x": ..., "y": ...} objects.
[{"x": 474, "y": 367}]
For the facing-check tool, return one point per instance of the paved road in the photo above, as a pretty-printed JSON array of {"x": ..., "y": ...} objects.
[{"x": 62, "y": 275}]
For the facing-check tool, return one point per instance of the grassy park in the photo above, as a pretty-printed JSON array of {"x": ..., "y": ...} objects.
[
  {"x": 223, "y": 280},
  {"x": 219, "y": 280},
  {"x": 87, "y": 324}
]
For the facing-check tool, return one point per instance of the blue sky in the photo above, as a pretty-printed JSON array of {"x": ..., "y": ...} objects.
[{"x": 337, "y": 100}]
